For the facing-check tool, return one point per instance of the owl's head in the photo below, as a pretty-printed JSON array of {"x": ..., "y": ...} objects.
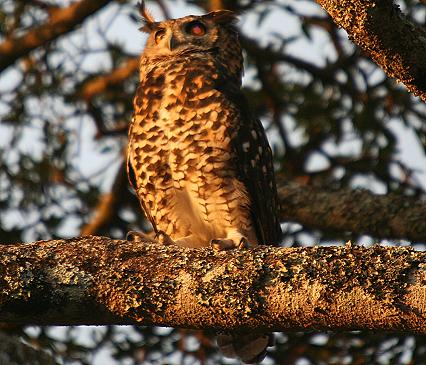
[{"x": 214, "y": 32}]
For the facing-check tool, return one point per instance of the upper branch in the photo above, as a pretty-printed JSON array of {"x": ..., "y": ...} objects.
[
  {"x": 96, "y": 280},
  {"x": 383, "y": 216},
  {"x": 394, "y": 42},
  {"x": 60, "y": 21}
]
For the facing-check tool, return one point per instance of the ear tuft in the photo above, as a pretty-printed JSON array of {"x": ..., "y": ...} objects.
[
  {"x": 147, "y": 18},
  {"x": 225, "y": 17}
]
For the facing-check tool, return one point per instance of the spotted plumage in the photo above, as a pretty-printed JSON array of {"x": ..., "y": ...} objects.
[{"x": 198, "y": 158}]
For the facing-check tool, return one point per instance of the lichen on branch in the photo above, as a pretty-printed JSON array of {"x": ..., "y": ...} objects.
[{"x": 97, "y": 280}]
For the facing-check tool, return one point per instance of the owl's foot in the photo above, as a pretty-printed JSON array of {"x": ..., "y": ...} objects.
[
  {"x": 164, "y": 238},
  {"x": 224, "y": 244},
  {"x": 136, "y": 236},
  {"x": 160, "y": 237}
]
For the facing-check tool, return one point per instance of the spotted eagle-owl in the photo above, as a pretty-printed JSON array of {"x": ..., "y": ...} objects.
[{"x": 198, "y": 158}]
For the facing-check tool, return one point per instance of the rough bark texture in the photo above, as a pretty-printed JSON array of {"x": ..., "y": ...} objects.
[
  {"x": 383, "y": 216},
  {"x": 394, "y": 42},
  {"x": 96, "y": 280},
  {"x": 60, "y": 21}
]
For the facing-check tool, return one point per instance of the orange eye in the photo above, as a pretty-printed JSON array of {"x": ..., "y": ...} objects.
[
  {"x": 159, "y": 35},
  {"x": 196, "y": 28}
]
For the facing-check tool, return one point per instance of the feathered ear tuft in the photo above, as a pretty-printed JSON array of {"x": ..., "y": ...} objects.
[
  {"x": 225, "y": 17},
  {"x": 147, "y": 18}
]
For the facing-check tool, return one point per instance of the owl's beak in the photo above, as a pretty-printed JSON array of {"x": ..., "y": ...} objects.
[{"x": 173, "y": 43}]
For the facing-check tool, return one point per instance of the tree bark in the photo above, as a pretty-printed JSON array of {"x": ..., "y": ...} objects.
[
  {"x": 97, "y": 280},
  {"x": 392, "y": 40},
  {"x": 392, "y": 216},
  {"x": 60, "y": 21}
]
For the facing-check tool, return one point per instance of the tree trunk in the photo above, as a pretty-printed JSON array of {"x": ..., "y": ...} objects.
[{"x": 97, "y": 280}]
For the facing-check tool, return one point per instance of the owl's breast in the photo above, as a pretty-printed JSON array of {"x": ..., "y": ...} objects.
[{"x": 194, "y": 126}]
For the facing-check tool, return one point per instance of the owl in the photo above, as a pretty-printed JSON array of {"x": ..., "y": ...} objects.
[{"x": 198, "y": 158}]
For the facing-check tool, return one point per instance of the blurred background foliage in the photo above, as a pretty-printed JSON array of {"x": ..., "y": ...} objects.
[{"x": 332, "y": 117}]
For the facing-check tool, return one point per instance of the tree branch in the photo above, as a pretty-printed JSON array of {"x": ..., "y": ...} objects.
[
  {"x": 108, "y": 204},
  {"x": 392, "y": 40},
  {"x": 102, "y": 83},
  {"x": 60, "y": 21},
  {"x": 96, "y": 280},
  {"x": 382, "y": 216}
]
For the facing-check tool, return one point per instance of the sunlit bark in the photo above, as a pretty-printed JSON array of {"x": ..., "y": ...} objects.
[{"x": 96, "y": 280}]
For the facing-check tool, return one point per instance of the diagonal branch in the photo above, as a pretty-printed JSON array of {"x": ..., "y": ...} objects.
[
  {"x": 382, "y": 216},
  {"x": 392, "y": 40},
  {"x": 108, "y": 205},
  {"x": 60, "y": 21},
  {"x": 96, "y": 280},
  {"x": 102, "y": 83}
]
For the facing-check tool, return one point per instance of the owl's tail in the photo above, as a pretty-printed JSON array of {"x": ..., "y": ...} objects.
[{"x": 250, "y": 348}]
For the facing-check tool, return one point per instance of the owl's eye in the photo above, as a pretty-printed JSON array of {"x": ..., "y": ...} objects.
[
  {"x": 159, "y": 35},
  {"x": 195, "y": 28}
]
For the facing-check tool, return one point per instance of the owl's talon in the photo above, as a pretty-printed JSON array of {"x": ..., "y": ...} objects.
[
  {"x": 219, "y": 244},
  {"x": 244, "y": 244},
  {"x": 136, "y": 236},
  {"x": 164, "y": 238},
  {"x": 224, "y": 244}
]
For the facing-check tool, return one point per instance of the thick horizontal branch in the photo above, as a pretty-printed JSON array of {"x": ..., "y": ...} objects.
[
  {"x": 392, "y": 40},
  {"x": 96, "y": 280},
  {"x": 392, "y": 216},
  {"x": 60, "y": 21}
]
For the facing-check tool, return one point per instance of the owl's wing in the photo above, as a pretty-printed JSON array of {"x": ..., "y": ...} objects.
[
  {"x": 131, "y": 174},
  {"x": 255, "y": 167}
]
